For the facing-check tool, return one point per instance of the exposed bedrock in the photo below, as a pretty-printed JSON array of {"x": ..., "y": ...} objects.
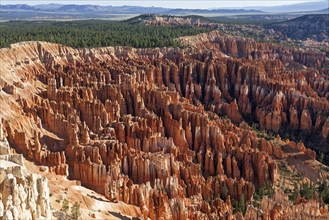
[
  {"x": 143, "y": 126},
  {"x": 22, "y": 195}
]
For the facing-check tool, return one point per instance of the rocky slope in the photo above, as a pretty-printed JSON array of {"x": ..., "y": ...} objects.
[
  {"x": 22, "y": 195},
  {"x": 167, "y": 20},
  {"x": 309, "y": 31},
  {"x": 307, "y": 26},
  {"x": 144, "y": 126}
]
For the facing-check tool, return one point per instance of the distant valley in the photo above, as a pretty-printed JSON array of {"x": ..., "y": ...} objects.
[{"x": 89, "y": 11}]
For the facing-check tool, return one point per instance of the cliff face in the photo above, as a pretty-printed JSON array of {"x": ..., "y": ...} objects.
[{"x": 142, "y": 126}]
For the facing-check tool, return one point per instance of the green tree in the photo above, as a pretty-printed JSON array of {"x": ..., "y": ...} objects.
[
  {"x": 94, "y": 33},
  {"x": 240, "y": 206},
  {"x": 65, "y": 206},
  {"x": 307, "y": 191},
  {"x": 323, "y": 190},
  {"x": 224, "y": 193},
  {"x": 321, "y": 157},
  {"x": 295, "y": 193},
  {"x": 75, "y": 211}
]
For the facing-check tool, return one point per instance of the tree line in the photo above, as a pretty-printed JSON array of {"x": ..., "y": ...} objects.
[{"x": 94, "y": 33}]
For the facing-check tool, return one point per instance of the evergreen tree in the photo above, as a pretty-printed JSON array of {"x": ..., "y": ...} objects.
[
  {"x": 65, "y": 206},
  {"x": 75, "y": 211},
  {"x": 94, "y": 33}
]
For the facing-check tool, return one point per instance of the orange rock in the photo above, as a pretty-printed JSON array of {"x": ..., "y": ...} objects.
[{"x": 141, "y": 125}]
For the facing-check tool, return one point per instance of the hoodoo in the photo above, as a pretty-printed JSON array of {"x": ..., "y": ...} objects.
[{"x": 145, "y": 126}]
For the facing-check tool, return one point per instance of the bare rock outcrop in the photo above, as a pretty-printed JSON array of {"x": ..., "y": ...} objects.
[
  {"x": 145, "y": 126},
  {"x": 23, "y": 195}
]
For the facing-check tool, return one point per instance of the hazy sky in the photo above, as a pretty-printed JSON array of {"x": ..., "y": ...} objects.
[{"x": 166, "y": 4}]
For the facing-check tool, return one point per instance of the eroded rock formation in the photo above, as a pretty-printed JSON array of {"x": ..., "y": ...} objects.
[
  {"x": 143, "y": 126},
  {"x": 22, "y": 195}
]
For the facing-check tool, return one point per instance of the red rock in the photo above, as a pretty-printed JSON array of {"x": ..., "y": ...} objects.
[
  {"x": 305, "y": 121},
  {"x": 232, "y": 111},
  {"x": 325, "y": 129},
  {"x": 142, "y": 126}
]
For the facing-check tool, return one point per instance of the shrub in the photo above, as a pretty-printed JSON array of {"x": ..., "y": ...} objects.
[
  {"x": 75, "y": 211},
  {"x": 239, "y": 206},
  {"x": 224, "y": 193},
  {"x": 307, "y": 191},
  {"x": 65, "y": 206},
  {"x": 295, "y": 193},
  {"x": 266, "y": 190},
  {"x": 320, "y": 157},
  {"x": 323, "y": 190}
]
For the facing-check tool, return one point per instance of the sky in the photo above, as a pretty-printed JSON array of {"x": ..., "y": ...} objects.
[{"x": 166, "y": 4}]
